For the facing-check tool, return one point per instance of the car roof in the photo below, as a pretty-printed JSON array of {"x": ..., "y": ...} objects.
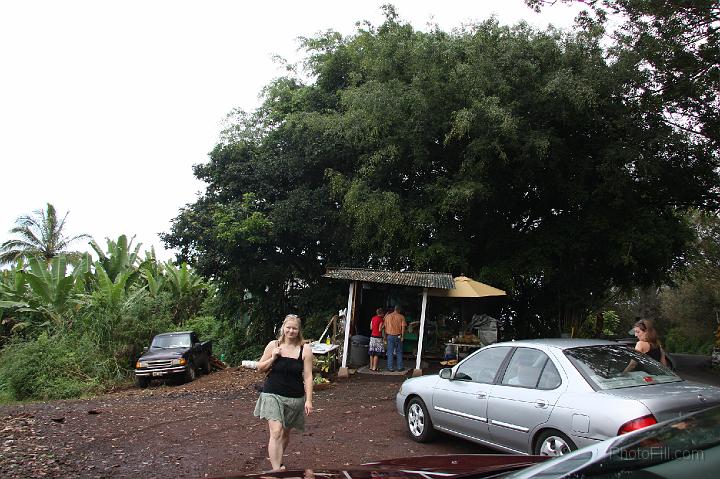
[{"x": 560, "y": 343}]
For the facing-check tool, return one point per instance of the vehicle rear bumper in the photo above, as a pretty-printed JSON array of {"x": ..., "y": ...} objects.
[{"x": 159, "y": 372}]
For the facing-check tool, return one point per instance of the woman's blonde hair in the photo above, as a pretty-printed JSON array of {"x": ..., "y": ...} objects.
[{"x": 291, "y": 317}]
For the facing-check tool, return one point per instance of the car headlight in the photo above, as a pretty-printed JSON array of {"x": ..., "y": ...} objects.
[
  {"x": 141, "y": 364},
  {"x": 179, "y": 362}
]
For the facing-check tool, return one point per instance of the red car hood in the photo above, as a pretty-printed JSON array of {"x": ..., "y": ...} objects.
[{"x": 420, "y": 467}]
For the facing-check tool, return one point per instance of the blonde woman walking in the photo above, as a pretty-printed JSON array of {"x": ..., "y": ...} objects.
[{"x": 287, "y": 394}]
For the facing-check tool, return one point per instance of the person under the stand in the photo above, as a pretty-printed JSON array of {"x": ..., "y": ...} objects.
[
  {"x": 377, "y": 331},
  {"x": 395, "y": 330}
]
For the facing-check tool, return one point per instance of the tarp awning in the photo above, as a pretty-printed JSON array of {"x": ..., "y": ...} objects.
[{"x": 403, "y": 278}]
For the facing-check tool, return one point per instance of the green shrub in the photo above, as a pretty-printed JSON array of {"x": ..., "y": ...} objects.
[
  {"x": 48, "y": 367},
  {"x": 678, "y": 340}
]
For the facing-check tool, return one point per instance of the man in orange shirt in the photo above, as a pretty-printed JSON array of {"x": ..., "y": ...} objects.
[{"x": 395, "y": 330}]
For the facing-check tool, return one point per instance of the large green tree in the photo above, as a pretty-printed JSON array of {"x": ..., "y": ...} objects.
[
  {"x": 40, "y": 234},
  {"x": 676, "y": 45},
  {"x": 505, "y": 153}
]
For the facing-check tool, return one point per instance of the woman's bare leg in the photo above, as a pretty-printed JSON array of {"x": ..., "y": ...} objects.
[
  {"x": 276, "y": 444},
  {"x": 285, "y": 441}
]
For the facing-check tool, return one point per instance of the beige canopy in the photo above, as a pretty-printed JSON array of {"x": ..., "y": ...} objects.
[{"x": 467, "y": 288}]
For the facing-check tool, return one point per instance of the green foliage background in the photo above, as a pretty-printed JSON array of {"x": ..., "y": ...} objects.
[
  {"x": 539, "y": 161},
  {"x": 519, "y": 157},
  {"x": 72, "y": 333}
]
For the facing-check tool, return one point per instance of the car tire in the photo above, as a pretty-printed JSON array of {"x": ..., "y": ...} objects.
[
  {"x": 418, "y": 422},
  {"x": 190, "y": 373},
  {"x": 142, "y": 381},
  {"x": 553, "y": 443}
]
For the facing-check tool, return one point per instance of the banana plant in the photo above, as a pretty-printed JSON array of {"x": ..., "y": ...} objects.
[
  {"x": 187, "y": 288},
  {"x": 115, "y": 293},
  {"x": 153, "y": 273},
  {"x": 13, "y": 285},
  {"x": 183, "y": 281},
  {"x": 83, "y": 273},
  {"x": 52, "y": 288},
  {"x": 51, "y": 284},
  {"x": 120, "y": 258}
]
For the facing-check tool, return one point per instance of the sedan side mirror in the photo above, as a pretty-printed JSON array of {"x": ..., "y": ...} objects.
[{"x": 446, "y": 373}]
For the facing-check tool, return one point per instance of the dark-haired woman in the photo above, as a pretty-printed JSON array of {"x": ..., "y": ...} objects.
[{"x": 648, "y": 342}]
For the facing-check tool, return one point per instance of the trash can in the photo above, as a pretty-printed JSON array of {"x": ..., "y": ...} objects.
[{"x": 359, "y": 346}]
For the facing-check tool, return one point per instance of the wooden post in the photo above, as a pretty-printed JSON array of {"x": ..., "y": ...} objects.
[
  {"x": 418, "y": 371},
  {"x": 343, "y": 372}
]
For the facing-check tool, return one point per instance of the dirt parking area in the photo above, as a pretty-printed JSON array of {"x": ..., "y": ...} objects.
[{"x": 204, "y": 429}]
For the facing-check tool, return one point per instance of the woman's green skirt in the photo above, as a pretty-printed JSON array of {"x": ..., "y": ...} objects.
[{"x": 290, "y": 412}]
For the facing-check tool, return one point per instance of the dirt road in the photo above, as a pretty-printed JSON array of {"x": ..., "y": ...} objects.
[{"x": 203, "y": 429}]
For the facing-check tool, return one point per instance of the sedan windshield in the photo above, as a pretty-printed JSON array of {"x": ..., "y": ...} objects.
[{"x": 614, "y": 367}]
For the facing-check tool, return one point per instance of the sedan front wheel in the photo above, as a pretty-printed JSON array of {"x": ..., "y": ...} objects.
[{"x": 418, "y": 421}]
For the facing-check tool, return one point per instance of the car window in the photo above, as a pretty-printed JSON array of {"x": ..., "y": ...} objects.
[
  {"x": 525, "y": 368},
  {"x": 482, "y": 366},
  {"x": 171, "y": 341},
  {"x": 616, "y": 366},
  {"x": 550, "y": 377}
]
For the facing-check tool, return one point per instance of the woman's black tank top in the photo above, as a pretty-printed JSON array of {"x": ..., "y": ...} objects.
[
  {"x": 286, "y": 377},
  {"x": 654, "y": 353}
]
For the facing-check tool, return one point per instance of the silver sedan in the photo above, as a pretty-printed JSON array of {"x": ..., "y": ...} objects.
[{"x": 548, "y": 396}]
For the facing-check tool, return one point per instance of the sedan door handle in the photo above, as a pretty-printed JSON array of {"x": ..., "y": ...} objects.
[
  {"x": 541, "y": 404},
  {"x": 481, "y": 396}
]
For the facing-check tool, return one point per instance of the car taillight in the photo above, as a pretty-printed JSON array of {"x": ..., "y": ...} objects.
[{"x": 636, "y": 424}]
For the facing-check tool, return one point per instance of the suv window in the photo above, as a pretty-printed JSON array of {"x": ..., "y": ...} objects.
[{"x": 482, "y": 366}]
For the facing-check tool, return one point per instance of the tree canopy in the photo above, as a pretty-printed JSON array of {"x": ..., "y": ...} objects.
[
  {"x": 676, "y": 45},
  {"x": 509, "y": 154}
]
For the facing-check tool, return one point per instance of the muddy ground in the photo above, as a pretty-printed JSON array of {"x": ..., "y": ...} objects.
[{"x": 204, "y": 429}]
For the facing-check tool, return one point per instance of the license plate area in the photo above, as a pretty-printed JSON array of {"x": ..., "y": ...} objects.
[{"x": 157, "y": 373}]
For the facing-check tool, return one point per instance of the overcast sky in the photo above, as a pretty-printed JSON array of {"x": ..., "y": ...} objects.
[{"x": 106, "y": 105}]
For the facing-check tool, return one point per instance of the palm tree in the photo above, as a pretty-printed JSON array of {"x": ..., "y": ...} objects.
[{"x": 40, "y": 235}]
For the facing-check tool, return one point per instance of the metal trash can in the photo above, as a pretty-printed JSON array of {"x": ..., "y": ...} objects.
[{"x": 359, "y": 346}]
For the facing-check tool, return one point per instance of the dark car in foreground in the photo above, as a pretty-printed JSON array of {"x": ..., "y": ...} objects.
[
  {"x": 418, "y": 467},
  {"x": 548, "y": 396},
  {"x": 176, "y": 355},
  {"x": 688, "y": 446}
]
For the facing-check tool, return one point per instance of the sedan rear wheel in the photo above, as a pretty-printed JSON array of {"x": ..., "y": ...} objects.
[
  {"x": 553, "y": 443},
  {"x": 418, "y": 421}
]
